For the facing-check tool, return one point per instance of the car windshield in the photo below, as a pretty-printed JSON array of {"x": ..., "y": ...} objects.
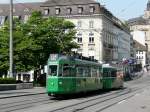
[{"x": 52, "y": 70}]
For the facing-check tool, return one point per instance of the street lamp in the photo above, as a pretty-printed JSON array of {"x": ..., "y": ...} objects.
[{"x": 11, "y": 41}]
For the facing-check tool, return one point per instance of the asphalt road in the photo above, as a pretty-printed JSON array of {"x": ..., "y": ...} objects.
[{"x": 130, "y": 99}]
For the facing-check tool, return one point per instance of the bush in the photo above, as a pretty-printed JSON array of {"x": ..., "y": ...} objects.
[{"x": 7, "y": 81}]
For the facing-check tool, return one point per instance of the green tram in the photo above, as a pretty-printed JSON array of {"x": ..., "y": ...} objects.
[{"x": 68, "y": 75}]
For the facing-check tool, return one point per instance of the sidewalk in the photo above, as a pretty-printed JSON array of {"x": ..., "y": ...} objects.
[{"x": 22, "y": 92}]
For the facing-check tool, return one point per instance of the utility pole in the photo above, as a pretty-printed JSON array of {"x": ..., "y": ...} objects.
[{"x": 11, "y": 41}]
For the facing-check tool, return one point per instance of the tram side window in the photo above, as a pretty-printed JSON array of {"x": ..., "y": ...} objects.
[
  {"x": 52, "y": 70},
  {"x": 89, "y": 72},
  {"x": 60, "y": 70},
  {"x": 106, "y": 74},
  {"x": 86, "y": 72},
  {"x": 79, "y": 71},
  {"x": 66, "y": 70},
  {"x": 94, "y": 72},
  {"x": 113, "y": 73}
]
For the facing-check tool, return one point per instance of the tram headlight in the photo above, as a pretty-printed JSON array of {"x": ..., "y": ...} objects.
[
  {"x": 60, "y": 83},
  {"x": 52, "y": 83}
]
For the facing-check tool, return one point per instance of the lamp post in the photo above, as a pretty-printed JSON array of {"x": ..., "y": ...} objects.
[
  {"x": 11, "y": 41},
  {"x": 146, "y": 53}
]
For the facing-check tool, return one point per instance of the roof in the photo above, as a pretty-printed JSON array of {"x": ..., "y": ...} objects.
[
  {"x": 139, "y": 46},
  {"x": 138, "y": 21},
  {"x": 67, "y": 2},
  {"x": 24, "y": 8}
]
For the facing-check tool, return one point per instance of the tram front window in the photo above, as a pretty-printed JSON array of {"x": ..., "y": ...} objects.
[{"x": 53, "y": 70}]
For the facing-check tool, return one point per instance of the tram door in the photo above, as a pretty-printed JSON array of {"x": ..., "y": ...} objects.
[{"x": 80, "y": 79}]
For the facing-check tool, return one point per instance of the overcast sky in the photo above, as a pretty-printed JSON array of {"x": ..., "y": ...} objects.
[{"x": 123, "y": 9}]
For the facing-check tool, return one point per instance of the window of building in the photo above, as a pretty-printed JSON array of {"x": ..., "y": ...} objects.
[
  {"x": 79, "y": 38},
  {"x": 80, "y": 10},
  {"x": 57, "y": 11},
  {"x": 92, "y": 9},
  {"x": 91, "y": 24},
  {"x": 69, "y": 10},
  {"x": 79, "y": 24},
  {"x": 91, "y": 39},
  {"x": 46, "y": 11},
  {"x": 19, "y": 76},
  {"x": 91, "y": 57},
  {"x": 141, "y": 57}
]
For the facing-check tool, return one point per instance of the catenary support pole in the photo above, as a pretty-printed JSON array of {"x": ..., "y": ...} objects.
[{"x": 11, "y": 41}]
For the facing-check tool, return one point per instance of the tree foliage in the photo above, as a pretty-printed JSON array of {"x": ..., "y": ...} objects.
[{"x": 34, "y": 40}]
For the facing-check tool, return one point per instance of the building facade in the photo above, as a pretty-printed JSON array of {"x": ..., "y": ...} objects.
[
  {"x": 142, "y": 23},
  {"x": 139, "y": 40},
  {"x": 100, "y": 35}
]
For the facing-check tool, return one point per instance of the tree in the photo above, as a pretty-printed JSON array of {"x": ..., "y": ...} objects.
[{"x": 35, "y": 40}]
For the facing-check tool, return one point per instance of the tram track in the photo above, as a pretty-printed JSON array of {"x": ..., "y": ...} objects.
[
  {"x": 99, "y": 100},
  {"x": 19, "y": 105},
  {"x": 35, "y": 102},
  {"x": 22, "y": 104},
  {"x": 83, "y": 103},
  {"x": 108, "y": 97}
]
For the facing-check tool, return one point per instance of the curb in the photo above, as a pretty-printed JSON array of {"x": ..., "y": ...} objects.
[{"x": 21, "y": 95}]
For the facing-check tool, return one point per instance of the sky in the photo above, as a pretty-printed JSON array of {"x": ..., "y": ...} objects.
[{"x": 123, "y": 9}]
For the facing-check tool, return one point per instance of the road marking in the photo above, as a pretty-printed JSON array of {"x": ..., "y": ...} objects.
[
  {"x": 137, "y": 94},
  {"x": 121, "y": 101}
]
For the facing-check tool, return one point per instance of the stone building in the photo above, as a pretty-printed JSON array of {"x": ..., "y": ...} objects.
[
  {"x": 100, "y": 34},
  {"x": 20, "y": 10},
  {"x": 142, "y": 23}
]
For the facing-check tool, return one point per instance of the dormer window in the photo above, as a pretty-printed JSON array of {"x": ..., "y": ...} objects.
[
  {"x": 69, "y": 10},
  {"x": 92, "y": 9},
  {"x": 80, "y": 10},
  {"x": 26, "y": 10},
  {"x": 1, "y": 10},
  {"x": 46, "y": 11},
  {"x": 57, "y": 11}
]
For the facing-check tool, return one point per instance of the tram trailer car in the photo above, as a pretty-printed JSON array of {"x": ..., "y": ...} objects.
[
  {"x": 68, "y": 75},
  {"x": 112, "y": 77}
]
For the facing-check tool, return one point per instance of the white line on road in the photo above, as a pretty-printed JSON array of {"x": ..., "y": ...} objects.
[{"x": 121, "y": 101}]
